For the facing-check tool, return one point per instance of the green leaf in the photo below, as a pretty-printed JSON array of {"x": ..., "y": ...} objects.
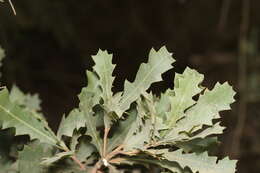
[
  {"x": 84, "y": 149},
  {"x": 186, "y": 86},
  {"x": 137, "y": 137},
  {"x": 104, "y": 68},
  {"x": 11, "y": 115},
  {"x": 31, "y": 156},
  {"x": 32, "y": 102},
  {"x": 199, "y": 145},
  {"x": 201, "y": 163},
  {"x": 172, "y": 166},
  {"x": 122, "y": 131},
  {"x": 90, "y": 95},
  {"x": 50, "y": 160},
  {"x": 206, "y": 109},
  {"x": 148, "y": 73},
  {"x": 75, "y": 120},
  {"x": 92, "y": 123}
]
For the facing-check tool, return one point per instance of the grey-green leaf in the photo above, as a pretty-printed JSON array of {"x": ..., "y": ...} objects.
[
  {"x": 148, "y": 73},
  {"x": 11, "y": 115},
  {"x": 104, "y": 68},
  {"x": 186, "y": 86},
  {"x": 75, "y": 120},
  {"x": 201, "y": 163},
  {"x": 31, "y": 157}
]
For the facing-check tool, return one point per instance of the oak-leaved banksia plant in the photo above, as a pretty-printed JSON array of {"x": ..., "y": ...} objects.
[{"x": 115, "y": 132}]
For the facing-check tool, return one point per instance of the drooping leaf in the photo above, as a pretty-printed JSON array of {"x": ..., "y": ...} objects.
[
  {"x": 201, "y": 163},
  {"x": 186, "y": 86},
  {"x": 11, "y": 115},
  {"x": 148, "y": 73}
]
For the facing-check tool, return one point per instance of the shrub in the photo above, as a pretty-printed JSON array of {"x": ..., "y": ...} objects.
[{"x": 115, "y": 132}]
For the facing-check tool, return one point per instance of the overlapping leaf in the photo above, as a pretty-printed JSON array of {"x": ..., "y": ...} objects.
[
  {"x": 11, "y": 115},
  {"x": 75, "y": 120},
  {"x": 148, "y": 73},
  {"x": 104, "y": 68},
  {"x": 201, "y": 163},
  {"x": 31, "y": 157},
  {"x": 186, "y": 86},
  {"x": 206, "y": 109}
]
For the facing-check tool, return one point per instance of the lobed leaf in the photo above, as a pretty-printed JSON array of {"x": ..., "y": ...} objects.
[
  {"x": 158, "y": 63},
  {"x": 30, "y": 158},
  {"x": 75, "y": 120},
  {"x": 104, "y": 68},
  {"x": 206, "y": 109},
  {"x": 186, "y": 86},
  {"x": 11, "y": 115},
  {"x": 201, "y": 163}
]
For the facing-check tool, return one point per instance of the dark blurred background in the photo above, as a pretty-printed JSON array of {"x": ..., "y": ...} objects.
[{"x": 49, "y": 44}]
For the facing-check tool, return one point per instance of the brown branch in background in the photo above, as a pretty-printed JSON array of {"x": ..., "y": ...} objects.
[
  {"x": 224, "y": 14},
  {"x": 242, "y": 78},
  {"x": 12, "y": 6}
]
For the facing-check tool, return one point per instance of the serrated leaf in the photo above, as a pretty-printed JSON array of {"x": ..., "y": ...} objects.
[
  {"x": 84, "y": 116},
  {"x": 50, "y": 160},
  {"x": 84, "y": 150},
  {"x": 92, "y": 123},
  {"x": 31, "y": 157},
  {"x": 172, "y": 166},
  {"x": 201, "y": 163},
  {"x": 174, "y": 136},
  {"x": 198, "y": 145},
  {"x": 104, "y": 68},
  {"x": 11, "y": 115},
  {"x": 75, "y": 120},
  {"x": 186, "y": 86},
  {"x": 207, "y": 108},
  {"x": 32, "y": 102},
  {"x": 148, "y": 73},
  {"x": 137, "y": 137},
  {"x": 90, "y": 95},
  {"x": 121, "y": 131}
]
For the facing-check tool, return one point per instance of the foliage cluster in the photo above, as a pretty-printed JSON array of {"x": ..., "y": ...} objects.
[{"x": 115, "y": 132}]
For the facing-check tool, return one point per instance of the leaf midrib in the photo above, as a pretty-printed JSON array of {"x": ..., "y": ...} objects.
[{"x": 26, "y": 124}]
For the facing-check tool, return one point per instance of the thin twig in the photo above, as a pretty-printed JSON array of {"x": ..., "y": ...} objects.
[
  {"x": 242, "y": 77},
  {"x": 12, "y": 6},
  {"x": 114, "y": 152},
  {"x": 224, "y": 14},
  {"x": 96, "y": 167},
  {"x": 74, "y": 158},
  {"x": 82, "y": 167},
  {"x": 107, "y": 129}
]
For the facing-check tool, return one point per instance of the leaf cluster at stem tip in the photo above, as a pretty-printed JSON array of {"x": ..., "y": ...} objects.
[{"x": 176, "y": 130}]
